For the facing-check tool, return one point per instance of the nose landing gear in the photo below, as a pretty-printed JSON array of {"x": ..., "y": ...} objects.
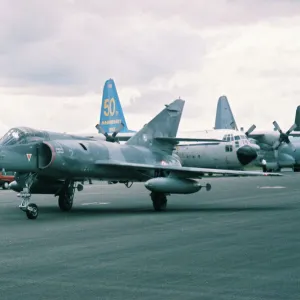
[{"x": 31, "y": 209}]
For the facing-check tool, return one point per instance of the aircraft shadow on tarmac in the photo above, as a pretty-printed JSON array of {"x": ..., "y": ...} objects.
[{"x": 96, "y": 211}]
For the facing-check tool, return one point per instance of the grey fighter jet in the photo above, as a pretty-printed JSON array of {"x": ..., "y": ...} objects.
[{"x": 53, "y": 163}]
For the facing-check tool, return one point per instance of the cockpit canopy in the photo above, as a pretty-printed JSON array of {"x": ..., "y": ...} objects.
[
  {"x": 23, "y": 135},
  {"x": 239, "y": 139},
  {"x": 230, "y": 137}
]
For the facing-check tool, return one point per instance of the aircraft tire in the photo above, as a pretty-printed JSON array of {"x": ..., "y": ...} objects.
[
  {"x": 159, "y": 201},
  {"x": 32, "y": 211},
  {"x": 5, "y": 185},
  {"x": 65, "y": 202}
]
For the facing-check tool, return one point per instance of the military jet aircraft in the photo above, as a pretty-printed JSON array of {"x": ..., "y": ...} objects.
[{"x": 52, "y": 163}]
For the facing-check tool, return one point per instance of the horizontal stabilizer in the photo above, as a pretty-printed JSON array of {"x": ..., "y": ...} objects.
[
  {"x": 122, "y": 137},
  {"x": 178, "y": 171}
]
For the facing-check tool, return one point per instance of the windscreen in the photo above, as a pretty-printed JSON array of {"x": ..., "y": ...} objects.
[{"x": 21, "y": 135}]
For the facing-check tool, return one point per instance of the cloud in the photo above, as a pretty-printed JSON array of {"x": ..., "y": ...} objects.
[{"x": 55, "y": 56}]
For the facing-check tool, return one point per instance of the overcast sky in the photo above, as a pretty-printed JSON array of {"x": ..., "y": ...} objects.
[{"x": 56, "y": 55}]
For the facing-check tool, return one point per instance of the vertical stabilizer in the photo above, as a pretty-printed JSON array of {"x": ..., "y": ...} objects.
[
  {"x": 165, "y": 124},
  {"x": 224, "y": 116},
  {"x": 111, "y": 113},
  {"x": 297, "y": 119}
]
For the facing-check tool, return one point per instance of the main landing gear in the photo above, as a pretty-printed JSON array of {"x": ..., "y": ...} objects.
[
  {"x": 66, "y": 195},
  {"x": 159, "y": 201}
]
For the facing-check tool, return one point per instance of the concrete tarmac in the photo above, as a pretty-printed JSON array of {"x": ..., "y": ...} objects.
[{"x": 238, "y": 241}]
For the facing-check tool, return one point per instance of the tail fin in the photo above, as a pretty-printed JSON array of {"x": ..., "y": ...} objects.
[
  {"x": 165, "y": 124},
  {"x": 297, "y": 119},
  {"x": 111, "y": 114},
  {"x": 224, "y": 116}
]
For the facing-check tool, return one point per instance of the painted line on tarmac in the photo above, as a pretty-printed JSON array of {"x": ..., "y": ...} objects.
[
  {"x": 110, "y": 193},
  {"x": 95, "y": 203},
  {"x": 271, "y": 187}
]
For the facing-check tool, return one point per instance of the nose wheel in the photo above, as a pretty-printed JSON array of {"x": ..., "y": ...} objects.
[{"x": 31, "y": 209}]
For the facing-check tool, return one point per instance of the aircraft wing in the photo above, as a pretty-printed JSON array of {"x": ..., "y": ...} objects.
[
  {"x": 260, "y": 135},
  {"x": 180, "y": 172},
  {"x": 174, "y": 140},
  {"x": 122, "y": 138},
  {"x": 255, "y": 135},
  {"x": 125, "y": 137}
]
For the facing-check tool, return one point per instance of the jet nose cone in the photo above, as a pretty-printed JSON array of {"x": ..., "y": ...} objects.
[{"x": 246, "y": 154}]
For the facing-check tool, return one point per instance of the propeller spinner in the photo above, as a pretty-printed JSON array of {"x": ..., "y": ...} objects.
[{"x": 110, "y": 138}]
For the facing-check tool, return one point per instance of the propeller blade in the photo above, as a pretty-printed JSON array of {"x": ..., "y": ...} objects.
[
  {"x": 276, "y": 145},
  {"x": 102, "y": 130},
  {"x": 277, "y": 127},
  {"x": 294, "y": 126},
  {"x": 276, "y": 153},
  {"x": 110, "y": 138},
  {"x": 292, "y": 146},
  {"x": 250, "y": 130},
  {"x": 118, "y": 130}
]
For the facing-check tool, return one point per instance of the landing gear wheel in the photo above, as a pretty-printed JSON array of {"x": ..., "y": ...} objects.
[
  {"x": 32, "y": 211},
  {"x": 5, "y": 185},
  {"x": 208, "y": 187},
  {"x": 159, "y": 201},
  {"x": 65, "y": 202}
]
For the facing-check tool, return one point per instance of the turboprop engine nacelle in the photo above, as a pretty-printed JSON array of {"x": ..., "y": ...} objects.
[{"x": 173, "y": 185}]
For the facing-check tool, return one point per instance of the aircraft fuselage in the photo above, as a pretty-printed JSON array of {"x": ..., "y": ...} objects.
[
  {"x": 77, "y": 159},
  {"x": 234, "y": 152}
]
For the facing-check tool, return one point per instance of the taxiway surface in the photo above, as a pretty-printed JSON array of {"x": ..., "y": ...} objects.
[{"x": 238, "y": 241}]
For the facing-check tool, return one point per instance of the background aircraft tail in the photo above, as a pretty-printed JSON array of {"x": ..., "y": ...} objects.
[
  {"x": 224, "y": 116},
  {"x": 297, "y": 119},
  {"x": 163, "y": 125},
  {"x": 111, "y": 113}
]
